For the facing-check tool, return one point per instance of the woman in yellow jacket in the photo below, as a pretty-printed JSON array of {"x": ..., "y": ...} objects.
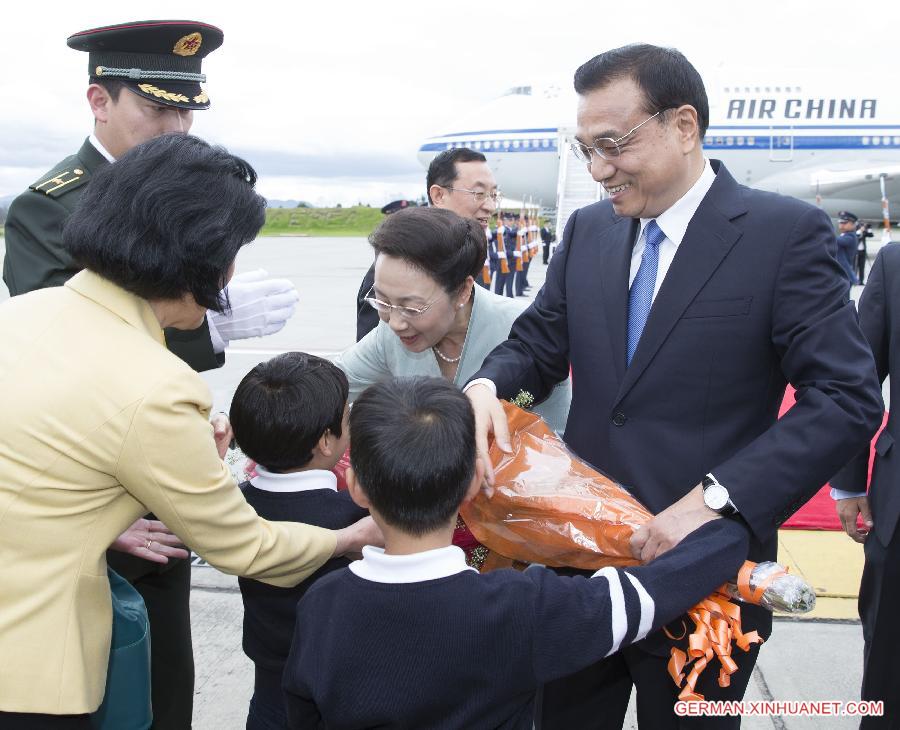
[{"x": 100, "y": 423}]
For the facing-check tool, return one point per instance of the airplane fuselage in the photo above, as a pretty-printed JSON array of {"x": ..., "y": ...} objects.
[{"x": 805, "y": 141}]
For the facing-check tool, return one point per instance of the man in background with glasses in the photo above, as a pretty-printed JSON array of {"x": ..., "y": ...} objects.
[
  {"x": 684, "y": 304},
  {"x": 460, "y": 180}
]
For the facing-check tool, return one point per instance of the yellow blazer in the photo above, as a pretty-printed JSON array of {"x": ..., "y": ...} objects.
[{"x": 99, "y": 424}]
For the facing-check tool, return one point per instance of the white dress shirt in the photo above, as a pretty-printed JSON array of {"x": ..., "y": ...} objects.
[
  {"x": 98, "y": 145},
  {"x": 673, "y": 223}
]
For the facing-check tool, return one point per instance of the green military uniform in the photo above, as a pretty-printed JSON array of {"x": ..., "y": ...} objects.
[
  {"x": 160, "y": 61},
  {"x": 36, "y": 259}
]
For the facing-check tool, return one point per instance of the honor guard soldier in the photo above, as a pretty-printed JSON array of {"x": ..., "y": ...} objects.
[{"x": 144, "y": 81}]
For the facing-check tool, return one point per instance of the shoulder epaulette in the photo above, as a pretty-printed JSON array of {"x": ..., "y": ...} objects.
[{"x": 60, "y": 182}]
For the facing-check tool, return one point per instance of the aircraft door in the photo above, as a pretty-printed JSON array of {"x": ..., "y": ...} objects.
[{"x": 781, "y": 144}]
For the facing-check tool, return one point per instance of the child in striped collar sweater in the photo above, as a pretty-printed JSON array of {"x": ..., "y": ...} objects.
[{"x": 410, "y": 637}]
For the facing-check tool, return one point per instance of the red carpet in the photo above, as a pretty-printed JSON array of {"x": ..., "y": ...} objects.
[{"x": 819, "y": 512}]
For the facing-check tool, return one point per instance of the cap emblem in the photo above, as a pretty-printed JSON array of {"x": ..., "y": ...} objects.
[
  {"x": 188, "y": 45},
  {"x": 161, "y": 94}
]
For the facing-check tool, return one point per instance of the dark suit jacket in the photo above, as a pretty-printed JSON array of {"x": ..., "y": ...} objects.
[
  {"x": 751, "y": 302},
  {"x": 846, "y": 254},
  {"x": 36, "y": 258},
  {"x": 366, "y": 317},
  {"x": 879, "y": 308}
]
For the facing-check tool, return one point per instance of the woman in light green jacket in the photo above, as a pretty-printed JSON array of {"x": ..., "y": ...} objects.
[{"x": 434, "y": 320}]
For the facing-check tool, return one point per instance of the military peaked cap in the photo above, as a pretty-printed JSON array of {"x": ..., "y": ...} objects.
[
  {"x": 396, "y": 205},
  {"x": 157, "y": 59}
]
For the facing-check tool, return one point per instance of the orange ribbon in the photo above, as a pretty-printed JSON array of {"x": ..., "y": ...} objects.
[
  {"x": 717, "y": 623},
  {"x": 751, "y": 595}
]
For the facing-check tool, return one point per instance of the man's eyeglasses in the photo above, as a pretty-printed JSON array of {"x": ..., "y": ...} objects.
[
  {"x": 385, "y": 308},
  {"x": 606, "y": 147},
  {"x": 479, "y": 195}
]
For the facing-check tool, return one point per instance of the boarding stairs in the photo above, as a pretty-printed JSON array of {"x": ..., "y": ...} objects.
[{"x": 575, "y": 188}]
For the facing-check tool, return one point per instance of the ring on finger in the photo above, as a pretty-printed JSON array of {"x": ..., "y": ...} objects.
[{"x": 149, "y": 543}]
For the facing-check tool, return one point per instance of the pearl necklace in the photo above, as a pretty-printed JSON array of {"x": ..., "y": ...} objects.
[{"x": 443, "y": 357}]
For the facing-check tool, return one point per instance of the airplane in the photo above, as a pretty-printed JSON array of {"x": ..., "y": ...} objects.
[{"x": 834, "y": 142}]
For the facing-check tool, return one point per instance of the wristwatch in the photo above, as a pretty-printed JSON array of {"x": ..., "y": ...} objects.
[{"x": 715, "y": 496}]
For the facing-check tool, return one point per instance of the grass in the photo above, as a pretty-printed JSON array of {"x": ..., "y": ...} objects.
[{"x": 355, "y": 221}]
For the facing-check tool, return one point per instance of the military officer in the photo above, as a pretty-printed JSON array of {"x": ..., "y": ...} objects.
[
  {"x": 846, "y": 244},
  {"x": 144, "y": 81}
]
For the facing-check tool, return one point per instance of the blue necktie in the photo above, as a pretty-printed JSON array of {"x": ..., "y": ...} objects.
[{"x": 641, "y": 295}]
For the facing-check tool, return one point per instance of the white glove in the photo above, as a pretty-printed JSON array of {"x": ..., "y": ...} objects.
[{"x": 259, "y": 306}]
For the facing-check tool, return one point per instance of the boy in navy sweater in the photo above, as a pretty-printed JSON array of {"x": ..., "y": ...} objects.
[
  {"x": 410, "y": 637},
  {"x": 289, "y": 415}
]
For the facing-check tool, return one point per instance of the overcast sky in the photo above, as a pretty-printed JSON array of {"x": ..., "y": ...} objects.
[{"x": 331, "y": 100}]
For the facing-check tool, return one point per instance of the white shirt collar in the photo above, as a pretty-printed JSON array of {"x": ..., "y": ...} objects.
[
  {"x": 674, "y": 221},
  {"x": 379, "y": 567},
  {"x": 297, "y": 481},
  {"x": 98, "y": 145}
]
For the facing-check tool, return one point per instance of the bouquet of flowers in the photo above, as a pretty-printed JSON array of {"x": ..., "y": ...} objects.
[{"x": 549, "y": 507}]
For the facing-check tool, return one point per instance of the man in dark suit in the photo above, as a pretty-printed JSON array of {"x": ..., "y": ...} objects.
[
  {"x": 144, "y": 82},
  {"x": 684, "y": 304},
  {"x": 460, "y": 180},
  {"x": 879, "y": 512}
]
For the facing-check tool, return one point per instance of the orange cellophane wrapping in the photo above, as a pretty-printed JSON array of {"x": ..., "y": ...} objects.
[{"x": 549, "y": 507}]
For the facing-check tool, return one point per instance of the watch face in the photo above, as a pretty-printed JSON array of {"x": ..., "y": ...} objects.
[{"x": 716, "y": 497}]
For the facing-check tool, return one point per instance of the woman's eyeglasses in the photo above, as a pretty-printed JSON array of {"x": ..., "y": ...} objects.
[{"x": 385, "y": 308}]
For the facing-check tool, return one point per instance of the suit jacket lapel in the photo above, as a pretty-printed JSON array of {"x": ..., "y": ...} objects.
[
  {"x": 708, "y": 239},
  {"x": 617, "y": 243}
]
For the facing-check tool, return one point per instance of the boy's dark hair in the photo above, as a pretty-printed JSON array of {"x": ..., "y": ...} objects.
[
  {"x": 413, "y": 450},
  {"x": 167, "y": 220},
  {"x": 666, "y": 77},
  {"x": 282, "y": 408},
  {"x": 442, "y": 170},
  {"x": 444, "y": 245}
]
